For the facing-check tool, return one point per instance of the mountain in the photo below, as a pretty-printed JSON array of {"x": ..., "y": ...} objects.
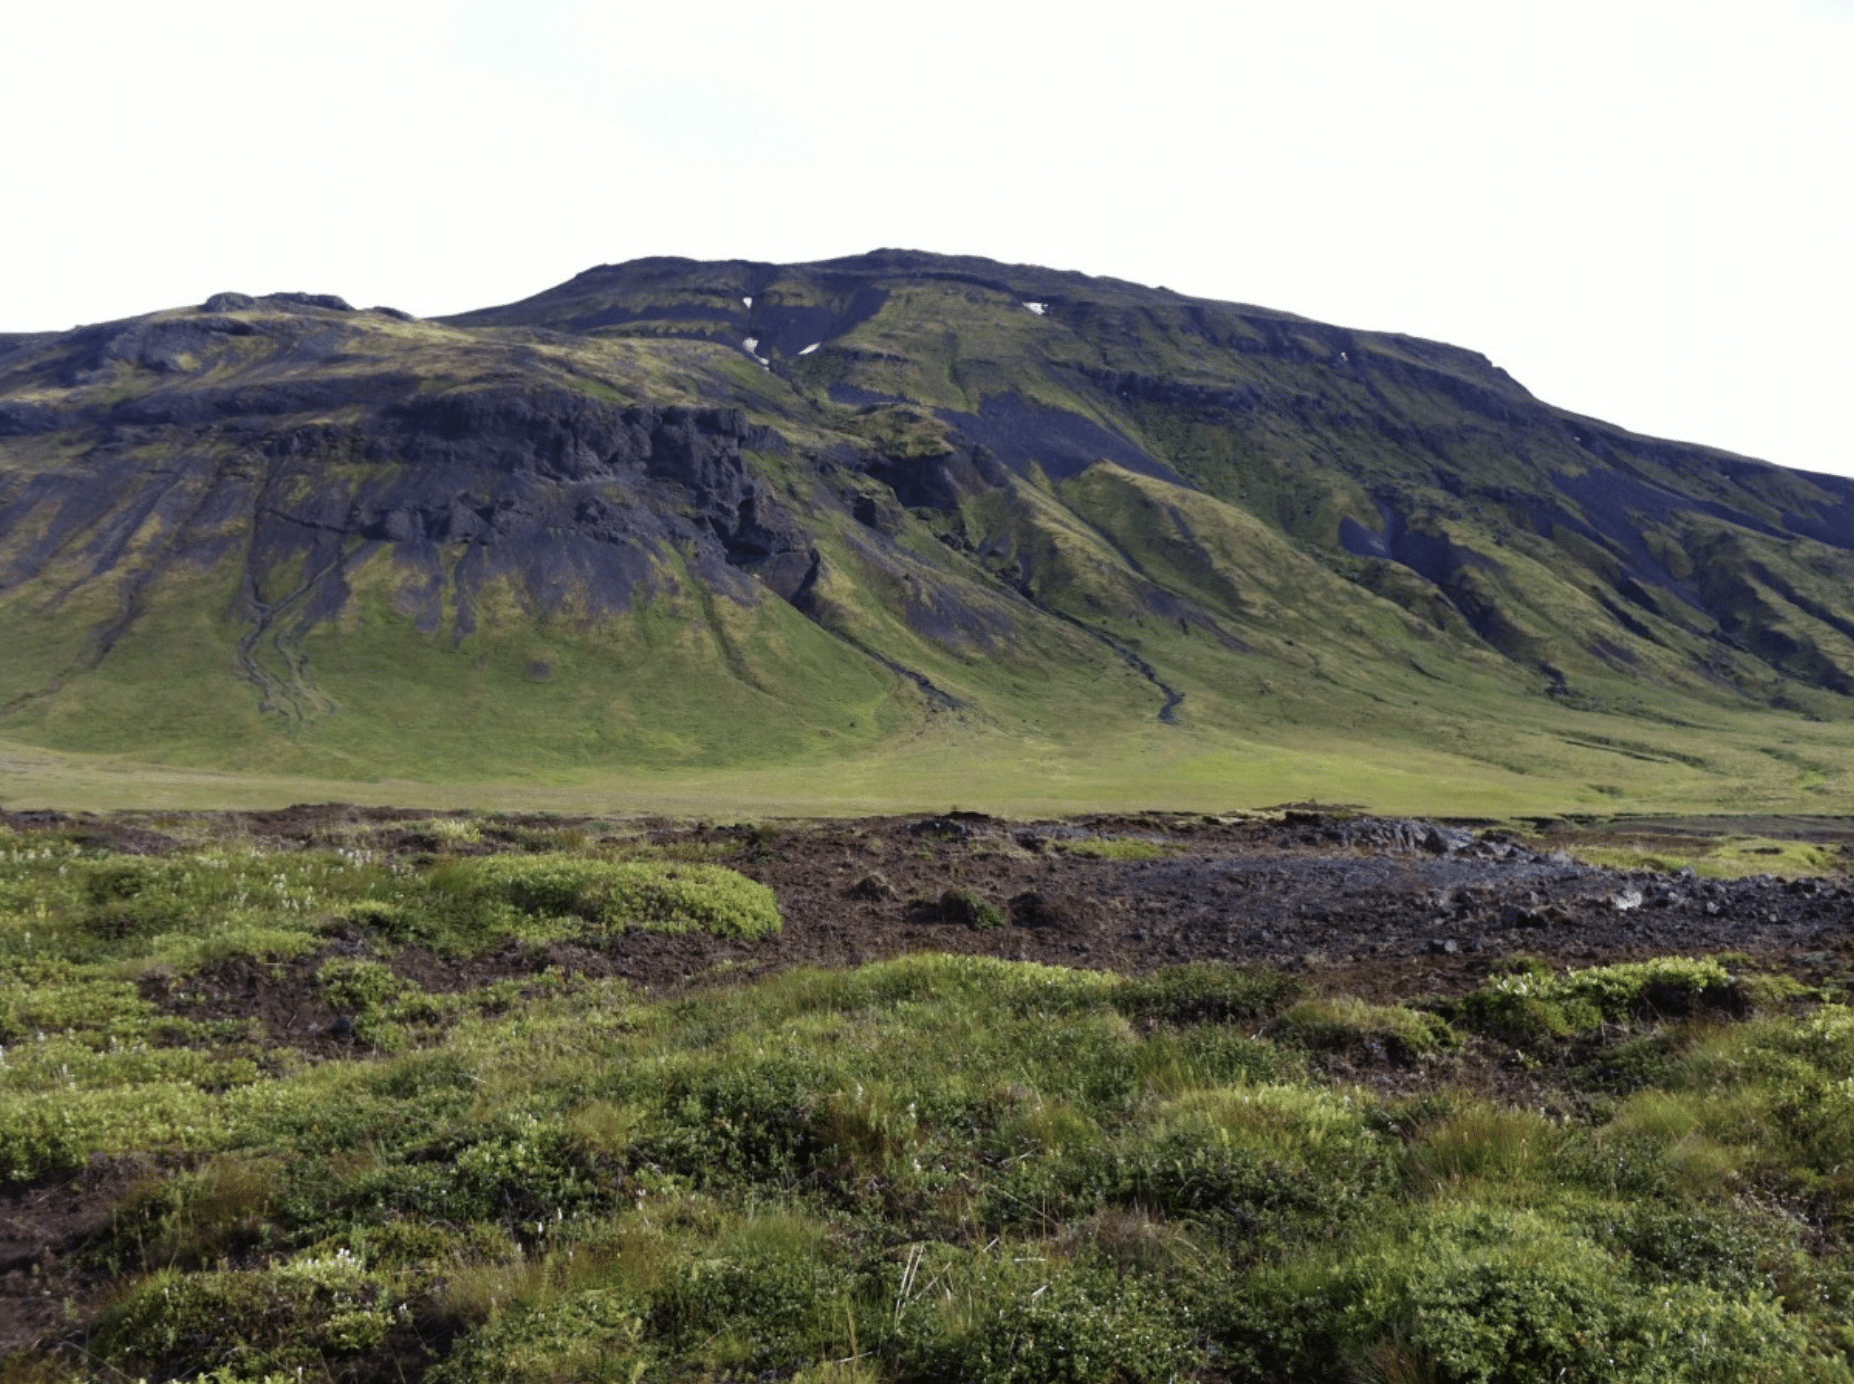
[{"x": 679, "y": 518}]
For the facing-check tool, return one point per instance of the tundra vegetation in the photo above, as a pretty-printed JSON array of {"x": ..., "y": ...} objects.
[{"x": 931, "y": 1168}]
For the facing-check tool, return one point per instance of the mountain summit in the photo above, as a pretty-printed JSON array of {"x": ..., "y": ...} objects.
[{"x": 674, "y": 515}]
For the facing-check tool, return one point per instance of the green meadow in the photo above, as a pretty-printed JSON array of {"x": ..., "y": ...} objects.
[{"x": 1441, "y": 761}]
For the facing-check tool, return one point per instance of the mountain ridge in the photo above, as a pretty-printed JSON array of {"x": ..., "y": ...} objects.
[{"x": 676, "y": 516}]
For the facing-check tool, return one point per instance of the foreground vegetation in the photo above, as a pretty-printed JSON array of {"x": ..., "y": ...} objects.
[{"x": 936, "y": 1168}]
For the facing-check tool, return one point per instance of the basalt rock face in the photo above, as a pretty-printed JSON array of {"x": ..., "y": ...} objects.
[
  {"x": 568, "y": 497},
  {"x": 966, "y": 482}
]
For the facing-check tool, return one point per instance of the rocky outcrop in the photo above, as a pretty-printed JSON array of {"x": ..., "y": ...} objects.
[
  {"x": 578, "y": 503},
  {"x": 938, "y": 481}
]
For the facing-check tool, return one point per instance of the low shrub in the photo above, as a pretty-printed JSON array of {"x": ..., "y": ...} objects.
[
  {"x": 760, "y": 1119},
  {"x": 313, "y": 1312},
  {"x": 1475, "y": 1294},
  {"x": 398, "y": 922},
  {"x": 355, "y": 986},
  {"x": 1467, "y": 1140},
  {"x": 766, "y": 1295},
  {"x": 1532, "y": 1006},
  {"x": 1731, "y": 1248},
  {"x": 610, "y": 896},
  {"x": 969, "y": 909},
  {"x": 136, "y": 896},
  {"x": 1248, "y": 1165},
  {"x": 1206, "y": 992},
  {"x": 1019, "y": 1316},
  {"x": 589, "y": 1334},
  {"x": 1118, "y": 848},
  {"x": 522, "y": 1175},
  {"x": 1353, "y": 1027},
  {"x": 1667, "y": 987},
  {"x": 42, "y": 1133},
  {"x": 185, "y": 911},
  {"x": 389, "y": 1013},
  {"x": 531, "y": 1170},
  {"x": 53, "y": 996},
  {"x": 1814, "y": 1128}
]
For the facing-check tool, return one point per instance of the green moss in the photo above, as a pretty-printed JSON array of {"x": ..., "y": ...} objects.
[
  {"x": 307, "y": 1312},
  {"x": 1352, "y": 1027},
  {"x": 968, "y": 909},
  {"x": 1119, "y": 848},
  {"x": 1734, "y": 857},
  {"x": 994, "y": 1319},
  {"x": 611, "y": 896},
  {"x": 1476, "y": 1292},
  {"x": 1533, "y": 1005},
  {"x": 1207, "y": 992}
]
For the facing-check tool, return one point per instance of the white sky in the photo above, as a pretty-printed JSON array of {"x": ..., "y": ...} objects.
[{"x": 1639, "y": 207}]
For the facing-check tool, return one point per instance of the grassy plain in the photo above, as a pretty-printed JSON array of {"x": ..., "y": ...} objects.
[{"x": 1440, "y": 762}]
